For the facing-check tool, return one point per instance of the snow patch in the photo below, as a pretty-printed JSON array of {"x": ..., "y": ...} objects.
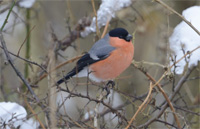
[
  {"x": 185, "y": 38},
  {"x": 26, "y": 3},
  {"x": 105, "y": 13}
]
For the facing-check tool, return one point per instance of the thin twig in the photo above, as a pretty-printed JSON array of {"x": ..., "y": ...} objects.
[
  {"x": 105, "y": 29},
  {"x": 26, "y": 60},
  {"x": 33, "y": 112},
  {"x": 19, "y": 73},
  {"x": 149, "y": 63},
  {"x": 28, "y": 41},
  {"x": 140, "y": 107},
  {"x": 166, "y": 123},
  {"x": 94, "y": 100},
  {"x": 71, "y": 16},
  {"x": 188, "y": 53},
  {"x": 161, "y": 78},
  {"x": 96, "y": 110},
  {"x": 28, "y": 33},
  {"x": 15, "y": 69},
  {"x": 170, "y": 105},
  {"x": 58, "y": 66},
  {"x": 68, "y": 40},
  {"x": 162, "y": 91},
  {"x": 172, "y": 10},
  {"x": 6, "y": 20},
  {"x": 177, "y": 88},
  {"x": 95, "y": 14},
  {"x": 160, "y": 88},
  {"x": 186, "y": 110}
]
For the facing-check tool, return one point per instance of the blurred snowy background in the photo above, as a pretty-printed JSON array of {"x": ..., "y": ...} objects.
[{"x": 161, "y": 38}]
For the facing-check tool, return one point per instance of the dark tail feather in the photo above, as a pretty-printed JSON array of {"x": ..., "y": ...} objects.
[
  {"x": 70, "y": 74},
  {"x": 83, "y": 62}
]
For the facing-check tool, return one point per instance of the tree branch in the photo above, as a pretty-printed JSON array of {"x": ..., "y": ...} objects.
[
  {"x": 177, "y": 88},
  {"x": 15, "y": 69},
  {"x": 172, "y": 10}
]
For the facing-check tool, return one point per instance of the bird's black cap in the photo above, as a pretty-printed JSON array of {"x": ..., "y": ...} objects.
[{"x": 120, "y": 33}]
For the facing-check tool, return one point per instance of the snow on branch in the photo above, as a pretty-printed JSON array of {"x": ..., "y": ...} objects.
[
  {"x": 105, "y": 13},
  {"x": 85, "y": 26},
  {"x": 185, "y": 39},
  {"x": 13, "y": 115}
]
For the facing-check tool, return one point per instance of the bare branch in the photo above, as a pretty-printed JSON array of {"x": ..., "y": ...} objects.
[
  {"x": 177, "y": 88},
  {"x": 141, "y": 106},
  {"x": 15, "y": 69},
  {"x": 172, "y": 10}
]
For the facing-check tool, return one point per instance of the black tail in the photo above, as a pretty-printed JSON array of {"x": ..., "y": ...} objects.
[
  {"x": 84, "y": 61},
  {"x": 70, "y": 74}
]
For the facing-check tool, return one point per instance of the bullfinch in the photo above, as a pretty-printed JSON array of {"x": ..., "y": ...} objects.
[{"x": 107, "y": 58}]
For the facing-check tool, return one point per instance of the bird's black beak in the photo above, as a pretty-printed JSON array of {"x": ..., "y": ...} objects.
[{"x": 129, "y": 37}]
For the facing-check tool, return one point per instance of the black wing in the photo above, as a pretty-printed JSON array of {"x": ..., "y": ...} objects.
[{"x": 84, "y": 61}]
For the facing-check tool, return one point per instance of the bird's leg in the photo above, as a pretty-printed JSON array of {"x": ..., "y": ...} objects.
[{"x": 110, "y": 84}]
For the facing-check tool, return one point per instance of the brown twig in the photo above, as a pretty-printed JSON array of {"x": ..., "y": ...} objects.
[
  {"x": 172, "y": 10},
  {"x": 70, "y": 11},
  {"x": 177, "y": 88},
  {"x": 105, "y": 29},
  {"x": 19, "y": 73},
  {"x": 57, "y": 67},
  {"x": 82, "y": 23},
  {"x": 94, "y": 100},
  {"x": 170, "y": 105},
  {"x": 33, "y": 112},
  {"x": 15, "y": 69},
  {"x": 141, "y": 106},
  {"x": 95, "y": 14},
  {"x": 121, "y": 106},
  {"x": 188, "y": 53},
  {"x": 161, "y": 78},
  {"x": 159, "y": 86},
  {"x": 173, "y": 65},
  {"x": 162, "y": 91},
  {"x": 26, "y": 60},
  {"x": 25, "y": 40}
]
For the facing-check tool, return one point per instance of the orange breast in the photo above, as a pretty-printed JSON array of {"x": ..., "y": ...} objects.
[{"x": 116, "y": 63}]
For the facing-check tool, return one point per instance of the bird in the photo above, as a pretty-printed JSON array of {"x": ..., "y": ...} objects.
[{"x": 107, "y": 58}]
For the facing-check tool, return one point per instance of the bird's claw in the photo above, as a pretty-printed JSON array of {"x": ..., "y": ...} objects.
[
  {"x": 110, "y": 83},
  {"x": 109, "y": 86}
]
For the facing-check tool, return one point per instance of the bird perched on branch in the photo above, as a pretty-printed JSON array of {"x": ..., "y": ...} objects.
[{"x": 107, "y": 58}]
